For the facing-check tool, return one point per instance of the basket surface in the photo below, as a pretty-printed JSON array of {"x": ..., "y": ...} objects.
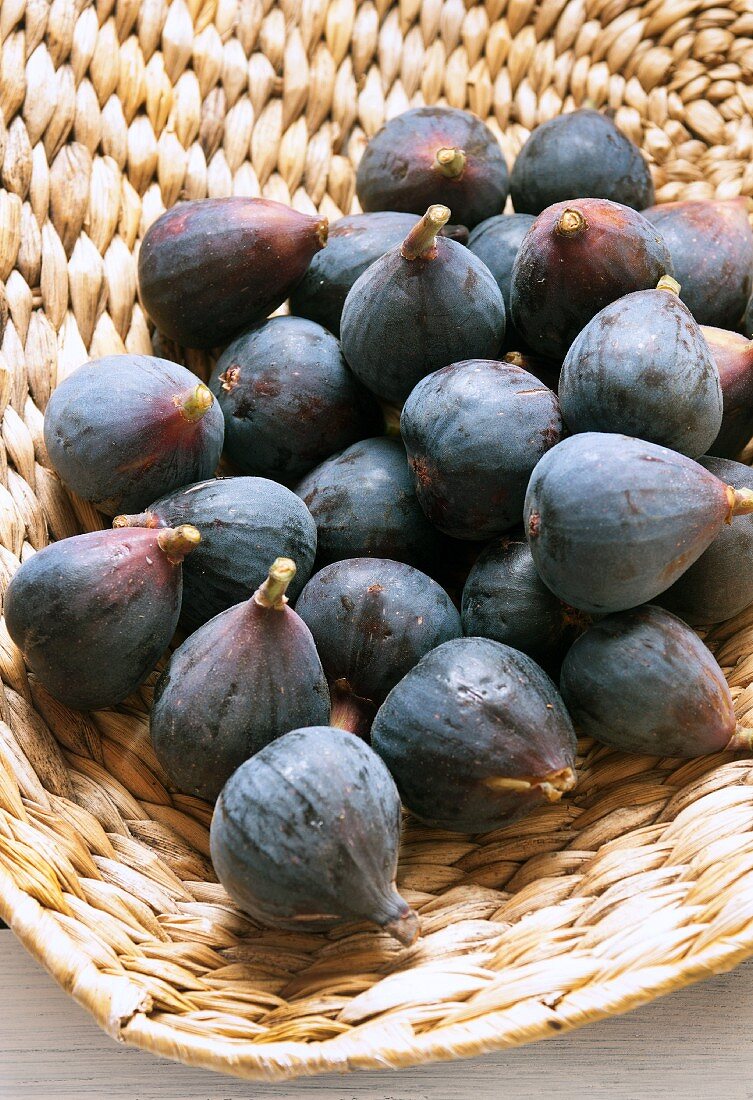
[{"x": 643, "y": 881}]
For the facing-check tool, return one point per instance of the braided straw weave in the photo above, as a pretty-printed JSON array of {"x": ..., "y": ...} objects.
[{"x": 641, "y": 883}]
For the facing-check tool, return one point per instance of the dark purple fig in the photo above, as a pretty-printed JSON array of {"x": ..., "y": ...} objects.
[
  {"x": 733, "y": 355},
  {"x": 576, "y": 258},
  {"x": 613, "y": 521},
  {"x": 354, "y": 243},
  {"x": 364, "y": 506},
  {"x": 434, "y": 155},
  {"x": 719, "y": 584},
  {"x": 305, "y": 835},
  {"x": 644, "y": 682},
  {"x": 505, "y": 599},
  {"x": 474, "y": 432},
  {"x": 579, "y": 155},
  {"x": 243, "y": 679},
  {"x": 289, "y": 399},
  {"x": 372, "y": 620},
  {"x": 245, "y": 522},
  {"x": 475, "y": 736},
  {"x": 642, "y": 367},
  {"x": 92, "y": 614},
  {"x": 496, "y": 242},
  {"x": 210, "y": 268},
  {"x": 711, "y": 245},
  {"x": 123, "y": 430},
  {"x": 421, "y": 306}
]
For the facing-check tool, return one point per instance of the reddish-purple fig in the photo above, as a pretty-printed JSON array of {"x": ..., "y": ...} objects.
[
  {"x": 434, "y": 155},
  {"x": 124, "y": 430},
  {"x": 733, "y": 355},
  {"x": 92, "y": 614},
  {"x": 209, "y": 268},
  {"x": 244, "y": 678},
  {"x": 711, "y": 245},
  {"x": 419, "y": 307},
  {"x": 576, "y": 258}
]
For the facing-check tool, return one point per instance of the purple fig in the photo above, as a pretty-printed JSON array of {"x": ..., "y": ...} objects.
[{"x": 733, "y": 355}]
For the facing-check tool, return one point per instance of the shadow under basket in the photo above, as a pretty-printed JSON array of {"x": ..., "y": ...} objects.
[{"x": 640, "y": 883}]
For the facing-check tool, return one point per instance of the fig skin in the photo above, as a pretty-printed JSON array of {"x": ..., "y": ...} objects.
[
  {"x": 417, "y": 309},
  {"x": 473, "y": 433},
  {"x": 505, "y": 599},
  {"x": 733, "y": 355},
  {"x": 643, "y": 682},
  {"x": 243, "y": 679},
  {"x": 245, "y": 522},
  {"x": 641, "y": 367},
  {"x": 475, "y": 736},
  {"x": 364, "y": 506},
  {"x": 372, "y": 620},
  {"x": 305, "y": 835},
  {"x": 711, "y": 245},
  {"x": 613, "y": 521},
  {"x": 400, "y": 170},
  {"x": 93, "y": 613},
  {"x": 719, "y": 584},
  {"x": 496, "y": 242},
  {"x": 578, "y": 155},
  {"x": 577, "y": 257},
  {"x": 125, "y": 429},
  {"x": 289, "y": 399},
  {"x": 211, "y": 267},
  {"x": 354, "y": 243}
]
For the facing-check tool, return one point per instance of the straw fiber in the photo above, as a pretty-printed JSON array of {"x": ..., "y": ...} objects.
[{"x": 640, "y": 883}]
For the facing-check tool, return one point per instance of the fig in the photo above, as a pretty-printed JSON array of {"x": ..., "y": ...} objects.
[
  {"x": 576, "y": 258},
  {"x": 579, "y": 155},
  {"x": 641, "y": 367},
  {"x": 475, "y": 736},
  {"x": 364, "y": 506},
  {"x": 719, "y": 584},
  {"x": 245, "y": 522},
  {"x": 372, "y": 620},
  {"x": 613, "y": 521},
  {"x": 496, "y": 242},
  {"x": 211, "y": 267},
  {"x": 93, "y": 613},
  {"x": 419, "y": 307},
  {"x": 711, "y": 245},
  {"x": 505, "y": 599},
  {"x": 244, "y": 678},
  {"x": 289, "y": 399},
  {"x": 733, "y": 355},
  {"x": 125, "y": 429},
  {"x": 434, "y": 155},
  {"x": 354, "y": 243},
  {"x": 305, "y": 835},
  {"x": 642, "y": 681},
  {"x": 473, "y": 433}
]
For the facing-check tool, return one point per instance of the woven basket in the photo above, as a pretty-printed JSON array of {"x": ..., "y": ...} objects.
[{"x": 641, "y": 883}]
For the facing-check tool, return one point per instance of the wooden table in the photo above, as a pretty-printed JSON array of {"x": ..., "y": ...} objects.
[{"x": 691, "y": 1045}]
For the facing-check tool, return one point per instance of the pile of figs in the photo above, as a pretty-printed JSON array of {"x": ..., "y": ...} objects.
[{"x": 483, "y": 454}]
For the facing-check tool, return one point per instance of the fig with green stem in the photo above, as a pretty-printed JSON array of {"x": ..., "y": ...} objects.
[{"x": 244, "y": 678}]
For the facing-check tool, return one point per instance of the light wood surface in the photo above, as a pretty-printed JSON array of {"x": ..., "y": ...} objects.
[{"x": 689, "y": 1045}]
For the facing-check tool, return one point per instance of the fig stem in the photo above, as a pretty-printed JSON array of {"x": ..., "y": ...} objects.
[
  {"x": 421, "y": 242},
  {"x": 450, "y": 161},
  {"x": 322, "y": 231},
  {"x": 552, "y": 786},
  {"x": 271, "y": 593},
  {"x": 741, "y": 740},
  {"x": 139, "y": 519},
  {"x": 194, "y": 403},
  {"x": 406, "y": 927},
  {"x": 668, "y": 283},
  {"x": 349, "y": 711},
  {"x": 740, "y": 502},
  {"x": 571, "y": 223},
  {"x": 176, "y": 542}
]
